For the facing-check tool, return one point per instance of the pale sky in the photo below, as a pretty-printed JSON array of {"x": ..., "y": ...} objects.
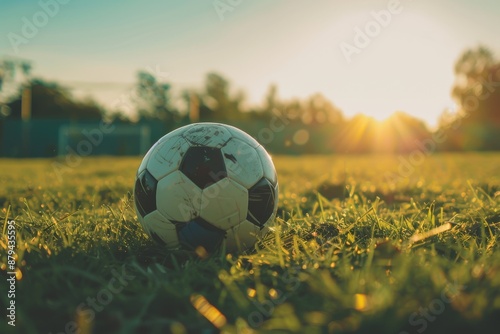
[{"x": 96, "y": 47}]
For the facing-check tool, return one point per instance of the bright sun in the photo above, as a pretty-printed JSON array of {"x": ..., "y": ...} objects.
[{"x": 392, "y": 73}]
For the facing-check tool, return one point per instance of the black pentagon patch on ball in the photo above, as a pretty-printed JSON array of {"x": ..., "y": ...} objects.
[
  {"x": 198, "y": 232},
  {"x": 261, "y": 200},
  {"x": 203, "y": 165},
  {"x": 145, "y": 193}
]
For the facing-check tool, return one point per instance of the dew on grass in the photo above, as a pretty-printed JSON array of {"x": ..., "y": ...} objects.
[
  {"x": 273, "y": 293},
  {"x": 251, "y": 292},
  {"x": 360, "y": 302},
  {"x": 19, "y": 274}
]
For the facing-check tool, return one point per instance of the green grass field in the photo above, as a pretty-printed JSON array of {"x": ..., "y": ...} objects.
[{"x": 355, "y": 248}]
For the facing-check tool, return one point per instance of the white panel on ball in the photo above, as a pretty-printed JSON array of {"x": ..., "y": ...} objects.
[
  {"x": 224, "y": 204},
  {"x": 242, "y": 237},
  {"x": 163, "y": 228},
  {"x": 178, "y": 198},
  {"x": 144, "y": 163},
  {"x": 208, "y": 134},
  {"x": 167, "y": 156},
  {"x": 146, "y": 158},
  {"x": 241, "y": 162},
  {"x": 143, "y": 224},
  {"x": 237, "y": 133},
  {"x": 267, "y": 165}
]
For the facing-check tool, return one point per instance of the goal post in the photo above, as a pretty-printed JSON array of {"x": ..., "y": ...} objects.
[{"x": 91, "y": 139}]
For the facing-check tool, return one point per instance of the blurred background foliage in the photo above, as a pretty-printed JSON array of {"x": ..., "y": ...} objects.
[{"x": 293, "y": 126}]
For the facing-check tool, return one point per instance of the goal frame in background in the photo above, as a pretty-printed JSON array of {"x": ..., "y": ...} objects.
[{"x": 142, "y": 132}]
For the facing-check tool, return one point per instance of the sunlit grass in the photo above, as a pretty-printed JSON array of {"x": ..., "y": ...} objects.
[{"x": 351, "y": 251}]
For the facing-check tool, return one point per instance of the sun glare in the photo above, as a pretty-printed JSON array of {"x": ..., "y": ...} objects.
[{"x": 393, "y": 72}]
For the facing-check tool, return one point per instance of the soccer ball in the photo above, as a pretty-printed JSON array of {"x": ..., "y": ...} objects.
[{"x": 204, "y": 184}]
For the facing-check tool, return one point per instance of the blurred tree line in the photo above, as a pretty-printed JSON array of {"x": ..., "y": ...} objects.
[
  {"x": 476, "y": 123},
  {"x": 310, "y": 125}
]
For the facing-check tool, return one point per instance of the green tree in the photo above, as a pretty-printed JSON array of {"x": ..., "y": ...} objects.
[
  {"x": 319, "y": 110},
  {"x": 271, "y": 101},
  {"x": 153, "y": 98},
  {"x": 50, "y": 100},
  {"x": 476, "y": 125},
  {"x": 218, "y": 100}
]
